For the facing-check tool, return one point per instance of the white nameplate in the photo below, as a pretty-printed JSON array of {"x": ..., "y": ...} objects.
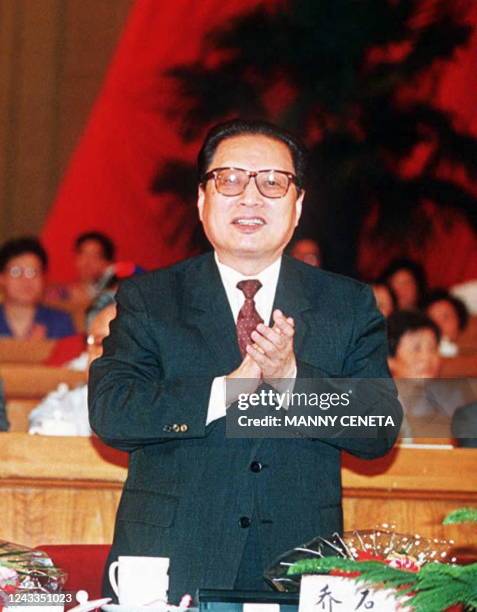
[{"x": 337, "y": 594}]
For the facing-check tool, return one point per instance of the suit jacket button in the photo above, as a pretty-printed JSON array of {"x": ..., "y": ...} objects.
[
  {"x": 244, "y": 522},
  {"x": 184, "y": 428},
  {"x": 167, "y": 428},
  {"x": 256, "y": 466},
  {"x": 176, "y": 428}
]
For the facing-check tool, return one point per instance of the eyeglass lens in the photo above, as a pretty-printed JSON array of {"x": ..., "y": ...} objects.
[
  {"x": 270, "y": 183},
  {"x": 27, "y": 272}
]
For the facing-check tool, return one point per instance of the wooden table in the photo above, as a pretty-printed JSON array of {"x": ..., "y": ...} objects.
[
  {"x": 58, "y": 490},
  {"x": 66, "y": 490},
  {"x": 413, "y": 488}
]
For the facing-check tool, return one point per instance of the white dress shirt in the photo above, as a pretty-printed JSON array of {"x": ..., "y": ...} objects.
[{"x": 264, "y": 299}]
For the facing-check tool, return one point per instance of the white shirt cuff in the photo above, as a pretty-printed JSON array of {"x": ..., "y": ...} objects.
[{"x": 217, "y": 406}]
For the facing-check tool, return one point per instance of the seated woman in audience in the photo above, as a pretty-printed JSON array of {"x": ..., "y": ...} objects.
[
  {"x": 64, "y": 412},
  {"x": 23, "y": 265},
  {"x": 413, "y": 345},
  {"x": 414, "y": 362},
  {"x": 94, "y": 254},
  {"x": 385, "y": 298},
  {"x": 408, "y": 281},
  {"x": 450, "y": 315}
]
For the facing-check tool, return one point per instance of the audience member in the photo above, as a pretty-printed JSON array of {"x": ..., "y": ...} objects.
[
  {"x": 94, "y": 254},
  {"x": 413, "y": 345},
  {"x": 307, "y": 250},
  {"x": 23, "y": 264},
  {"x": 64, "y": 411},
  {"x": 414, "y": 362},
  {"x": 408, "y": 281},
  {"x": 450, "y": 315},
  {"x": 385, "y": 297},
  {"x": 116, "y": 273}
]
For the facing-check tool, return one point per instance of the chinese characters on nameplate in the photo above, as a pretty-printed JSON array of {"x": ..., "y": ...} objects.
[{"x": 322, "y": 593}]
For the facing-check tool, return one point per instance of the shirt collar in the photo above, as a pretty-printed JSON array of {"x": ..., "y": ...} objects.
[{"x": 230, "y": 277}]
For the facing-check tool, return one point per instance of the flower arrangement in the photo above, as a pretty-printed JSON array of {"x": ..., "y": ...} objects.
[
  {"x": 8, "y": 579},
  {"x": 419, "y": 569},
  {"x": 23, "y": 568}
]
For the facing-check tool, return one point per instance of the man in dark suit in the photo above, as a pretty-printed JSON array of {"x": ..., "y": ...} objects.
[{"x": 222, "y": 509}]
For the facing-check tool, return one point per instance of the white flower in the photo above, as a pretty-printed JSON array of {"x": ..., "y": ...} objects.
[{"x": 7, "y": 576}]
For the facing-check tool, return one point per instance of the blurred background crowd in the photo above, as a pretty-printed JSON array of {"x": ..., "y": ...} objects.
[{"x": 103, "y": 111}]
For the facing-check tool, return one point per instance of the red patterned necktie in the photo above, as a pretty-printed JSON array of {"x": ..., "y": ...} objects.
[{"x": 248, "y": 317}]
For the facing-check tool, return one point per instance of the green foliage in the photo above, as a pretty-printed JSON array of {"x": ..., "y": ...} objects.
[
  {"x": 439, "y": 586},
  {"x": 435, "y": 587},
  {"x": 461, "y": 515},
  {"x": 373, "y": 571}
]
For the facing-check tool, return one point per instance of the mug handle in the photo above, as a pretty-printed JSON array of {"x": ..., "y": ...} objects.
[{"x": 112, "y": 577}]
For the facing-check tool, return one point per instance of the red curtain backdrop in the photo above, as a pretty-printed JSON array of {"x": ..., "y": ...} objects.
[
  {"x": 129, "y": 132},
  {"x": 450, "y": 257},
  {"x": 107, "y": 183}
]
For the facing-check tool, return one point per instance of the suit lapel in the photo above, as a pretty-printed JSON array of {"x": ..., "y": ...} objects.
[
  {"x": 292, "y": 300},
  {"x": 207, "y": 308}
]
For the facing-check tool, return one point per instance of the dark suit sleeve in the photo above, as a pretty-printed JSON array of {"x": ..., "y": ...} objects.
[
  {"x": 366, "y": 361},
  {"x": 131, "y": 403}
]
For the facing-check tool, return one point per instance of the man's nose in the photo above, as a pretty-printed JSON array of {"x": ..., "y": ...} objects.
[{"x": 251, "y": 195}]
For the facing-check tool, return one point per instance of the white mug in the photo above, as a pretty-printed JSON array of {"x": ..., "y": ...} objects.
[{"x": 140, "y": 580}]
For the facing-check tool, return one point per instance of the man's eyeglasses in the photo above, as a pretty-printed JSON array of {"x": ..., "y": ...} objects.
[
  {"x": 27, "y": 272},
  {"x": 234, "y": 181}
]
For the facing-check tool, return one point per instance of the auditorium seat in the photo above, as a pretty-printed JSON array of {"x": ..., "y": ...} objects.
[
  {"x": 31, "y": 381},
  {"x": 461, "y": 366},
  {"x": 84, "y": 564},
  {"x": 18, "y": 411},
  {"x": 13, "y": 350}
]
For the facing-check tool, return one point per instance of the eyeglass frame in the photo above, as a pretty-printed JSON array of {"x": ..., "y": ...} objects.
[
  {"x": 292, "y": 178},
  {"x": 28, "y": 272}
]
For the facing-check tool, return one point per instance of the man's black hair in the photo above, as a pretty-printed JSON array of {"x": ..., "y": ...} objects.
[
  {"x": 414, "y": 268},
  {"x": 22, "y": 246},
  {"x": 243, "y": 127},
  {"x": 442, "y": 295},
  {"x": 403, "y": 321},
  {"x": 107, "y": 245}
]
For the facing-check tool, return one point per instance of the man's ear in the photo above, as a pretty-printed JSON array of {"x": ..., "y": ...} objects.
[
  {"x": 392, "y": 365},
  {"x": 200, "y": 201},
  {"x": 298, "y": 206}
]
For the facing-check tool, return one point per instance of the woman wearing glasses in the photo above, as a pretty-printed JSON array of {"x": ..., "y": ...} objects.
[{"x": 23, "y": 264}]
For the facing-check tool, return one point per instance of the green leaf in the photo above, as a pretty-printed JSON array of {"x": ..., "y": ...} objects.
[{"x": 461, "y": 515}]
